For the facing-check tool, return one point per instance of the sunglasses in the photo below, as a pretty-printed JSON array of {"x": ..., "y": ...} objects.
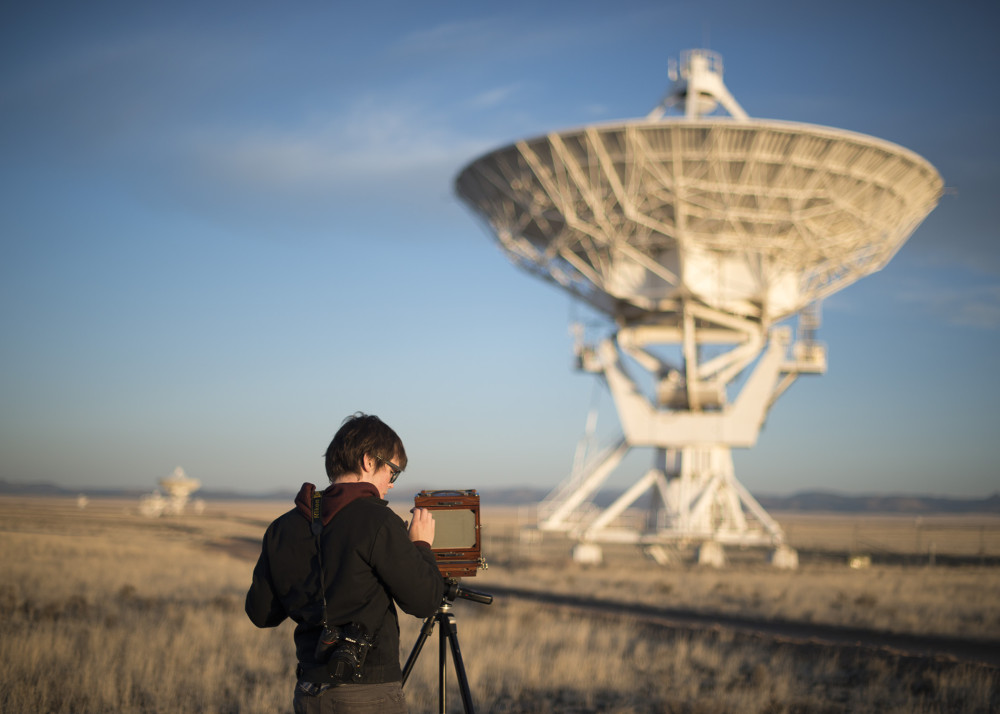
[{"x": 394, "y": 471}]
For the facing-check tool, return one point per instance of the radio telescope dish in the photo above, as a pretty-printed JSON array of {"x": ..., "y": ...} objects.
[
  {"x": 179, "y": 487},
  {"x": 699, "y": 232}
]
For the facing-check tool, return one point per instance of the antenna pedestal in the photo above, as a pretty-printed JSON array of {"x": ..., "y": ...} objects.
[{"x": 691, "y": 427}]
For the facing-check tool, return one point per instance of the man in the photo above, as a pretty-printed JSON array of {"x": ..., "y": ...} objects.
[{"x": 367, "y": 560}]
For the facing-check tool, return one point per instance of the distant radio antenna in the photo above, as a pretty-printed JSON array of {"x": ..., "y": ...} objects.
[{"x": 178, "y": 487}]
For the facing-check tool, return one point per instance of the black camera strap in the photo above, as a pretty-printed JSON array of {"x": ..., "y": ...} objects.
[
  {"x": 317, "y": 529},
  {"x": 351, "y": 642}
]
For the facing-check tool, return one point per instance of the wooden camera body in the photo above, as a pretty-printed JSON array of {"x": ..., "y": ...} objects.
[{"x": 457, "y": 546}]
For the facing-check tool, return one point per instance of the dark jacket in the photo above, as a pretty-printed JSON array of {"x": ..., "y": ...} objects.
[{"x": 368, "y": 562}]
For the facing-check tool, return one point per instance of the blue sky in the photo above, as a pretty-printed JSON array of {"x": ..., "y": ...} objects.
[{"x": 226, "y": 227}]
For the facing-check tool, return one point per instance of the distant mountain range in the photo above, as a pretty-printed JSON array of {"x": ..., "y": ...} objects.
[
  {"x": 842, "y": 503},
  {"x": 805, "y": 501}
]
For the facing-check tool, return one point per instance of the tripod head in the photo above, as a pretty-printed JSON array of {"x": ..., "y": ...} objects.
[{"x": 453, "y": 590}]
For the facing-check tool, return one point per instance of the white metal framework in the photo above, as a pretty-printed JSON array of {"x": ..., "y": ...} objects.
[{"x": 697, "y": 233}]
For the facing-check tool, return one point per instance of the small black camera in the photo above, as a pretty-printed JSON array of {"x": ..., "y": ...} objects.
[{"x": 343, "y": 649}]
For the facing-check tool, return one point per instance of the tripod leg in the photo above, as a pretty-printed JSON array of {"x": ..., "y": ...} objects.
[
  {"x": 450, "y": 630},
  {"x": 443, "y": 665},
  {"x": 425, "y": 632}
]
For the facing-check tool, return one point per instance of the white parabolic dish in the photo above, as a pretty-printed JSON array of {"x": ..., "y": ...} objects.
[{"x": 757, "y": 218}]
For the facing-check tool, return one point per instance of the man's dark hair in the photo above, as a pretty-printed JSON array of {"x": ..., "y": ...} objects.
[{"x": 362, "y": 434}]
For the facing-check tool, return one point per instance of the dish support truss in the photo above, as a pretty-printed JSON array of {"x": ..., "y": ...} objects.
[{"x": 690, "y": 425}]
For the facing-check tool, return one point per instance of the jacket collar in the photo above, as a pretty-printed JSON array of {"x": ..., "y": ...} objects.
[{"x": 335, "y": 497}]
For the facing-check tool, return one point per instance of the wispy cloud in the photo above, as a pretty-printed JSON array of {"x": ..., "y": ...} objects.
[
  {"x": 975, "y": 306},
  {"x": 372, "y": 142},
  {"x": 596, "y": 110},
  {"x": 493, "y": 97},
  {"x": 448, "y": 37}
]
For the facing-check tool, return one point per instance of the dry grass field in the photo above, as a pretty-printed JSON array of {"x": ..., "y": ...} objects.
[
  {"x": 914, "y": 598},
  {"x": 106, "y": 611}
]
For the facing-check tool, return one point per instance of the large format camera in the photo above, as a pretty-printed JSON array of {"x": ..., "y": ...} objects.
[
  {"x": 457, "y": 546},
  {"x": 343, "y": 649}
]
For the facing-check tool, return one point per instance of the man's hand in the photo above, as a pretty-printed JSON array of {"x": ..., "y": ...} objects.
[{"x": 422, "y": 525}]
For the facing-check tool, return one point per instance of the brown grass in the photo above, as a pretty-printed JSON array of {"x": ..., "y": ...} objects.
[
  {"x": 918, "y": 599},
  {"x": 104, "y": 611}
]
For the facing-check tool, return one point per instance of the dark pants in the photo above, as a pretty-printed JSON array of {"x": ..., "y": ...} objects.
[{"x": 352, "y": 699}]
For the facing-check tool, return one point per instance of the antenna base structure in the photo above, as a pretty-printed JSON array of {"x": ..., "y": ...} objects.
[
  {"x": 701, "y": 233},
  {"x": 691, "y": 427}
]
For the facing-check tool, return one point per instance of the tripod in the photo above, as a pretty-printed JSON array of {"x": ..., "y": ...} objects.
[{"x": 448, "y": 635}]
